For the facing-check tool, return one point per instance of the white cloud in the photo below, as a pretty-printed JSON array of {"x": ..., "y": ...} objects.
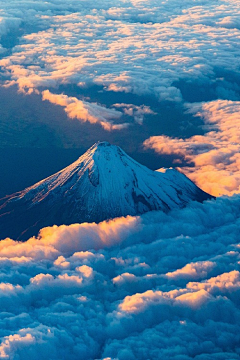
[
  {"x": 126, "y": 288},
  {"x": 215, "y": 154},
  {"x": 196, "y": 270},
  {"x": 142, "y": 47},
  {"x": 85, "y": 111},
  {"x": 137, "y": 112},
  {"x": 131, "y": 288}
]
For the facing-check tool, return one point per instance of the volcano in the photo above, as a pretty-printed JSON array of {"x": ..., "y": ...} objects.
[{"x": 103, "y": 183}]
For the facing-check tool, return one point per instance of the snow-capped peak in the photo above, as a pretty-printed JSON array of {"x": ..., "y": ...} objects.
[{"x": 103, "y": 183}]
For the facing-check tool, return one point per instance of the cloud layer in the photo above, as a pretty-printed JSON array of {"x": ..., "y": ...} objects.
[
  {"x": 131, "y": 288},
  {"x": 141, "y": 47},
  {"x": 85, "y": 111},
  {"x": 126, "y": 289},
  {"x": 184, "y": 54},
  {"x": 135, "y": 46},
  {"x": 215, "y": 155}
]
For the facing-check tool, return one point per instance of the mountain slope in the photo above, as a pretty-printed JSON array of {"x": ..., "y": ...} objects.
[{"x": 103, "y": 183}]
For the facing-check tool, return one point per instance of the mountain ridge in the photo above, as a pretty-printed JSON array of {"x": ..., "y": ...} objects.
[{"x": 103, "y": 183}]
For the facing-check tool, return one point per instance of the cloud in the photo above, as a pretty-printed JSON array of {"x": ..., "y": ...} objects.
[
  {"x": 135, "y": 287},
  {"x": 137, "y": 112},
  {"x": 193, "y": 270},
  {"x": 67, "y": 239},
  {"x": 15, "y": 341},
  {"x": 144, "y": 47},
  {"x": 85, "y": 111},
  {"x": 225, "y": 282},
  {"x": 127, "y": 288},
  {"x": 215, "y": 154}
]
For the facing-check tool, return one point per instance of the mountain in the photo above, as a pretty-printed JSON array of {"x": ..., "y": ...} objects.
[{"x": 103, "y": 183}]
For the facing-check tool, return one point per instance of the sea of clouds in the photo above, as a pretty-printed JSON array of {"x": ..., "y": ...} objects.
[
  {"x": 160, "y": 285},
  {"x": 168, "y": 50},
  {"x": 156, "y": 286}
]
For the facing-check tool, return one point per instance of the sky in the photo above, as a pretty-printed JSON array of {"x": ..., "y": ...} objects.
[{"x": 161, "y": 79}]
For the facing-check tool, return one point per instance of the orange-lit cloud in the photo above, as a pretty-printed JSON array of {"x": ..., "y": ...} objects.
[
  {"x": 225, "y": 282},
  {"x": 216, "y": 154},
  {"x": 196, "y": 270},
  {"x": 143, "y": 47},
  {"x": 131, "y": 288},
  {"x": 85, "y": 111},
  {"x": 133, "y": 283}
]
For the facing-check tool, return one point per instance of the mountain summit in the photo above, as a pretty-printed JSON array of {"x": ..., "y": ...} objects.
[{"x": 103, "y": 183}]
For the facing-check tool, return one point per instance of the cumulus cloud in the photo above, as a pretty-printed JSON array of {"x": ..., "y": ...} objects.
[
  {"x": 225, "y": 282},
  {"x": 137, "y": 112},
  {"x": 127, "y": 288},
  {"x": 135, "y": 287},
  {"x": 143, "y": 47},
  {"x": 215, "y": 154},
  {"x": 193, "y": 270}
]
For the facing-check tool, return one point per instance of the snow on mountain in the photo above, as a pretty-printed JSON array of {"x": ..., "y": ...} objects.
[{"x": 103, "y": 183}]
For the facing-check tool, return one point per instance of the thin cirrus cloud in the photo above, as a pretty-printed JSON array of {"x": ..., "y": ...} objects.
[
  {"x": 119, "y": 289},
  {"x": 215, "y": 154}
]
